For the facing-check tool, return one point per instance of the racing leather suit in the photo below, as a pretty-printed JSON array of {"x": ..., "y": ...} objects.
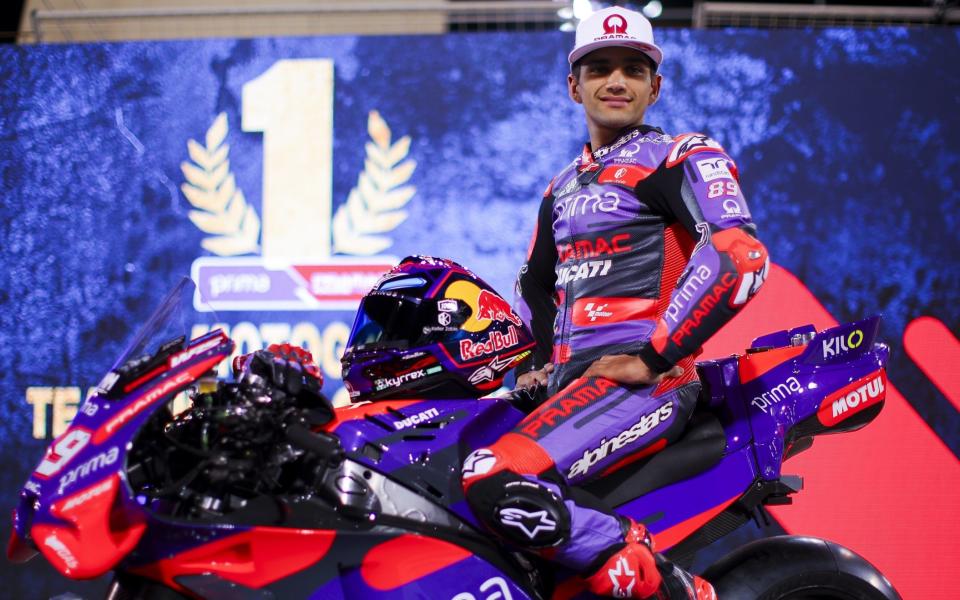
[{"x": 643, "y": 247}]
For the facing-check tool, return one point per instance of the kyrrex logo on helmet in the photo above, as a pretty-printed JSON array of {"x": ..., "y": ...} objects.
[{"x": 431, "y": 328}]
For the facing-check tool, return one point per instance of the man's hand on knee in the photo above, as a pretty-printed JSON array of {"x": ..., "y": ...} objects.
[{"x": 627, "y": 369}]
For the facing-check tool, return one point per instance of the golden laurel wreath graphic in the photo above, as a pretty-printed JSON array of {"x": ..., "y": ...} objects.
[
  {"x": 373, "y": 205},
  {"x": 222, "y": 210}
]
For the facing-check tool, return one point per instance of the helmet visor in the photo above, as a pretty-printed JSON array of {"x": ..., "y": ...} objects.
[{"x": 389, "y": 320}]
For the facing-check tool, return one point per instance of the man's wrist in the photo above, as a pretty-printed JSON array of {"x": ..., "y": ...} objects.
[{"x": 657, "y": 363}]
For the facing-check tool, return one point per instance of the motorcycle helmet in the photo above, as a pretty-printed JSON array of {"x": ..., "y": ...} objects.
[{"x": 430, "y": 328}]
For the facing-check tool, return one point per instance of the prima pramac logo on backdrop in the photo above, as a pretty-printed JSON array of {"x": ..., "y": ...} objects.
[{"x": 296, "y": 254}]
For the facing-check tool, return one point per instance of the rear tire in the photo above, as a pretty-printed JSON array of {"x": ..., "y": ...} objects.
[{"x": 797, "y": 568}]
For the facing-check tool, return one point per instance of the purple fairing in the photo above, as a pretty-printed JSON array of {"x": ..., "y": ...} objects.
[{"x": 432, "y": 328}]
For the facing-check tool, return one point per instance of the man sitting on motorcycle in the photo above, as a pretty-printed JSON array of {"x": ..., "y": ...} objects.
[{"x": 643, "y": 249}]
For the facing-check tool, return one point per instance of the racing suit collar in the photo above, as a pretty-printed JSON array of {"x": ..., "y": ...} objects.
[{"x": 589, "y": 158}]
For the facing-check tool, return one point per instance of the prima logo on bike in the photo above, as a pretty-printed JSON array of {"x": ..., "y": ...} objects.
[
  {"x": 769, "y": 399},
  {"x": 605, "y": 448},
  {"x": 98, "y": 462},
  {"x": 298, "y": 254}
]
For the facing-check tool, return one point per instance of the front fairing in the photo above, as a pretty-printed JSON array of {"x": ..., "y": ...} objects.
[{"x": 76, "y": 507}]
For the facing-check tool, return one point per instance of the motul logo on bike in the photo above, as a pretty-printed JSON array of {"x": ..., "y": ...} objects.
[
  {"x": 561, "y": 407},
  {"x": 496, "y": 342},
  {"x": 853, "y": 398},
  {"x": 491, "y": 307},
  {"x": 61, "y": 550},
  {"x": 605, "y": 448},
  {"x": 594, "y": 248}
]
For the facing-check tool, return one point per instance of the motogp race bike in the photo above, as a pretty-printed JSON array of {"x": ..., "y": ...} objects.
[{"x": 254, "y": 493}]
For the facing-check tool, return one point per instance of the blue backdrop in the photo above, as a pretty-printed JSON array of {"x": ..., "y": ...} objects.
[{"x": 123, "y": 166}]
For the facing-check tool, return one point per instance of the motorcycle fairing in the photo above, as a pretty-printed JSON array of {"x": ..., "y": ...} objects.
[
  {"x": 76, "y": 505},
  {"x": 252, "y": 557},
  {"x": 784, "y": 394}
]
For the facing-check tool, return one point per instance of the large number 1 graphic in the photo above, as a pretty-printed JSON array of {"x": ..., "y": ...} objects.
[{"x": 292, "y": 104}]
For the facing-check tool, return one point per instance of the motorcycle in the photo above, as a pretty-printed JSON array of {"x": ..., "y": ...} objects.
[{"x": 257, "y": 493}]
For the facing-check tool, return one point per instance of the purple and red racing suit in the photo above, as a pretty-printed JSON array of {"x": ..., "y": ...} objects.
[{"x": 643, "y": 247}]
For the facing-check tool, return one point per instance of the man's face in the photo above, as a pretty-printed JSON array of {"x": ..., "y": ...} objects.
[{"x": 615, "y": 86}]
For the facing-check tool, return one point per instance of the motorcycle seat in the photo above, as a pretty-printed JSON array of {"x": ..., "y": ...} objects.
[{"x": 700, "y": 447}]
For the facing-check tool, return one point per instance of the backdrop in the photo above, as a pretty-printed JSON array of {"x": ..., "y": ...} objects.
[{"x": 285, "y": 174}]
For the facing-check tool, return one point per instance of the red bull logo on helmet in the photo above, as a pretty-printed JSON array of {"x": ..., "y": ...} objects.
[
  {"x": 495, "y": 342},
  {"x": 491, "y": 307}
]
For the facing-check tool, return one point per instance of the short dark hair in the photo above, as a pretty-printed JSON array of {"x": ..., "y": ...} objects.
[{"x": 575, "y": 67}]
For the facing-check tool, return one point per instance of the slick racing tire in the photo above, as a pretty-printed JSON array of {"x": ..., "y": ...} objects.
[{"x": 797, "y": 568}]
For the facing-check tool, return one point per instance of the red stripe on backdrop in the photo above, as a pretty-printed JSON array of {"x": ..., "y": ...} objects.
[
  {"x": 934, "y": 349},
  {"x": 887, "y": 491}
]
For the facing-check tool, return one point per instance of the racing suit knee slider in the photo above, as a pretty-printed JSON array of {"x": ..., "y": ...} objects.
[{"x": 520, "y": 511}]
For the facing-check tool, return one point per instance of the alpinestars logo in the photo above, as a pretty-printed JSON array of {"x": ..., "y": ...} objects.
[
  {"x": 687, "y": 145},
  {"x": 478, "y": 463},
  {"x": 595, "y": 311},
  {"x": 642, "y": 427},
  {"x": 622, "y": 570},
  {"x": 530, "y": 523}
]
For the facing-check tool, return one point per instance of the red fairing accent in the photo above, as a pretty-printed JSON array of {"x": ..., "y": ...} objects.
[
  {"x": 752, "y": 366},
  {"x": 254, "y": 558},
  {"x": 628, "y": 175},
  {"x": 853, "y": 398},
  {"x": 97, "y": 535},
  {"x": 407, "y": 558},
  {"x": 674, "y": 535},
  {"x": 600, "y": 311}
]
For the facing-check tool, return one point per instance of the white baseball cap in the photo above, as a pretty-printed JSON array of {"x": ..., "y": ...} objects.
[{"x": 615, "y": 26}]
